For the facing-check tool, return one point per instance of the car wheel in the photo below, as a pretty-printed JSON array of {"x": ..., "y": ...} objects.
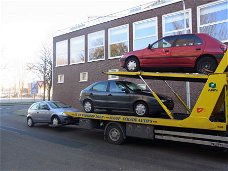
[
  {"x": 114, "y": 134},
  {"x": 140, "y": 109},
  {"x": 88, "y": 106},
  {"x": 30, "y": 122},
  {"x": 132, "y": 65},
  {"x": 206, "y": 65},
  {"x": 55, "y": 121}
]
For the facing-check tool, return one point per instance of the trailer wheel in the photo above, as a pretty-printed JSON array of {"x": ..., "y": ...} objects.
[{"x": 114, "y": 134}]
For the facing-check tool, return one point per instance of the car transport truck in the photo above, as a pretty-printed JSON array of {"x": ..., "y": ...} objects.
[{"x": 206, "y": 123}]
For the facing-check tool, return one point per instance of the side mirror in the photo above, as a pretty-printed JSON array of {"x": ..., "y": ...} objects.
[
  {"x": 125, "y": 90},
  {"x": 46, "y": 108},
  {"x": 149, "y": 46}
]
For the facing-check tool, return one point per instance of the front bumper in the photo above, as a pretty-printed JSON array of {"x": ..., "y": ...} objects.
[
  {"x": 159, "y": 109},
  {"x": 67, "y": 120}
]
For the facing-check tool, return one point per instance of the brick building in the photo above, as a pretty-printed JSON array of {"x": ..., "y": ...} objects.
[{"x": 88, "y": 49}]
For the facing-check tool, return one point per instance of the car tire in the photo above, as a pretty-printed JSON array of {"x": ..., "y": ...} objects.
[
  {"x": 55, "y": 121},
  {"x": 114, "y": 134},
  {"x": 140, "y": 109},
  {"x": 88, "y": 106},
  {"x": 30, "y": 122},
  {"x": 132, "y": 65},
  {"x": 206, "y": 65}
]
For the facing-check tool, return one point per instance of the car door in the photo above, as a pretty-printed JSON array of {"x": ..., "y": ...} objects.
[
  {"x": 98, "y": 94},
  {"x": 158, "y": 54},
  {"x": 185, "y": 50},
  {"x": 44, "y": 112},
  {"x": 33, "y": 111},
  {"x": 118, "y": 96}
]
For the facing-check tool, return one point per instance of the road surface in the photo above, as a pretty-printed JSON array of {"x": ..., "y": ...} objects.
[{"x": 71, "y": 148}]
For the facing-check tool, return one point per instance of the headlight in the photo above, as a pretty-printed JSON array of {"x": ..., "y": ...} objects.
[{"x": 63, "y": 114}]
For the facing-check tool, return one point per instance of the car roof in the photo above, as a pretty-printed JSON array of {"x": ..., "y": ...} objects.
[{"x": 45, "y": 101}]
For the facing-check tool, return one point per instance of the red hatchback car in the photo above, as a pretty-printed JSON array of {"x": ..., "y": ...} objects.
[{"x": 200, "y": 52}]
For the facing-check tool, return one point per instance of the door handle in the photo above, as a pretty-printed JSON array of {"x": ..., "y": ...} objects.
[
  {"x": 110, "y": 95},
  {"x": 91, "y": 94},
  {"x": 166, "y": 50},
  {"x": 37, "y": 112},
  {"x": 198, "y": 48}
]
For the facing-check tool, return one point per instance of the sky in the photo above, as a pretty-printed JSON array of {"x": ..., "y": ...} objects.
[{"x": 27, "y": 25}]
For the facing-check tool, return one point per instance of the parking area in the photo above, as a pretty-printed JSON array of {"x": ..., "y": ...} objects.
[{"x": 72, "y": 148}]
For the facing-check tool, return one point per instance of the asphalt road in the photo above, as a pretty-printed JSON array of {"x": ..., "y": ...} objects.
[{"x": 71, "y": 148}]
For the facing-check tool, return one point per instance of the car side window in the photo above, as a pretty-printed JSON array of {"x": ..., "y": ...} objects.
[
  {"x": 166, "y": 42},
  {"x": 35, "y": 106},
  {"x": 116, "y": 87},
  {"x": 43, "y": 106},
  {"x": 197, "y": 40},
  {"x": 184, "y": 40},
  {"x": 100, "y": 87},
  {"x": 188, "y": 40}
]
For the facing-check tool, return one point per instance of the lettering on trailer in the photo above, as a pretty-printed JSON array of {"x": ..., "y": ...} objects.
[{"x": 131, "y": 119}]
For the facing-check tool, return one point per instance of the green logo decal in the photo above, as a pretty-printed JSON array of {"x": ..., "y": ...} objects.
[{"x": 212, "y": 85}]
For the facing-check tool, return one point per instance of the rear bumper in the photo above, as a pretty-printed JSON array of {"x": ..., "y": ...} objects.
[{"x": 122, "y": 62}]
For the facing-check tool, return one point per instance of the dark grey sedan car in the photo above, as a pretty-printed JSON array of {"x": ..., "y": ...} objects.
[
  {"x": 51, "y": 112},
  {"x": 123, "y": 96}
]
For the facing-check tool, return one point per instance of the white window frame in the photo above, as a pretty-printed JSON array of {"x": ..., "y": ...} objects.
[
  {"x": 113, "y": 77},
  {"x": 60, "y": 79},
  {"x": 72, "y": 63},
  {"x": 56, "y": 54},
  {"x": 109, "y": 30},
  {"x": 209, "y": 24},
  {"x": 81, "y": 77},
  {"x": 189, "y": 10},
  {"x": 96, "y": 46},
  {"x": 144, "y": 21}
]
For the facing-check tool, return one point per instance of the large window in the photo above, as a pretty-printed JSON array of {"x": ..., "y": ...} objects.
[
  {"x": 62, "y": 53},
  {"x": 145, "y": 32},
  {"x": 77, "y": 50},
  {"x": 213, "y": 19},
  {"x": 174, "y": 24},
  {"x": 118, "y": 41},
  {"x": 96, "y": 46}
]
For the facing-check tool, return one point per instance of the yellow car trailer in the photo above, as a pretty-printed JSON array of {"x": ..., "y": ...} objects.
[{"x": 205, "y": 124}]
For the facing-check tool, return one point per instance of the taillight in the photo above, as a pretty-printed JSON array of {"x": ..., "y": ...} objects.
[{"x": 223, "y": 47}]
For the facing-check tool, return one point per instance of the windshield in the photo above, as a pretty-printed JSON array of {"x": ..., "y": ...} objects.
[
  {"x": 132, "y": 86},
  {"x": 55, "y": 105}
]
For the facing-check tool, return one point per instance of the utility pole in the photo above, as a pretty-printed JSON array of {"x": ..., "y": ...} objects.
[
  {"x": 45, "y": 68},
  {"x": 188, "y": 93}
]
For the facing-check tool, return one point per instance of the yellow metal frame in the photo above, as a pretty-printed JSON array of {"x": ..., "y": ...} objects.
[{"x": 212, "y": 97}]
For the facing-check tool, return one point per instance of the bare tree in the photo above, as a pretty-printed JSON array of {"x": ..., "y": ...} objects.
[{"x": 43, "y": 69}]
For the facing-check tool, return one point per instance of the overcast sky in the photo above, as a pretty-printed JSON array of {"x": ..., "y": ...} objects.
[{"x": 28, "y": 24}]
